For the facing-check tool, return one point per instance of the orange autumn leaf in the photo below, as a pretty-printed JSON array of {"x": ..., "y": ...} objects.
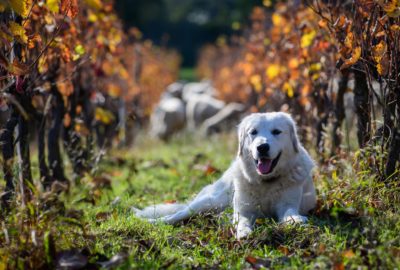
[
  {"x": 355, "y": 56},
  {"x": 18, "y": 69},
  {"x": 67, "y": 120},
  {"x": 69, "y": 8}
]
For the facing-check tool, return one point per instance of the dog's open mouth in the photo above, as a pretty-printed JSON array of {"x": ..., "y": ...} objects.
[{"x": 266, "y": 165}]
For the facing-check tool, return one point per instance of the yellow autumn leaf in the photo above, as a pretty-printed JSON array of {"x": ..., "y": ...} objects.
[
  {"x": 315, "y": 67},
  {"x": 323, "y": 23},
  {"x": 293, "y": 63},
  {"x": 92, "y": 17},
  {"x": 96, "y": 4},
  {"x": 395, "y": 13},
  {"x": 277, "y": 19},
  {"x": 379, "y": 50},
  {"x": 348, "y": 42},
  {"x": 104, "y": 116},
  {"x": 307, "y": 39},
  {"x": 356, "y": 54},
  {"x": 273, "y": 71},
  {"x": 288, "y": 88},
  {"x": 18, "y": 32},
  {"x": 114, "y": 90},
  {"x": 53, "y": 5},
  {"x": 388, "y": 7},
  {"x": 21, "y": 7},
  {"x": 255, "y": 81},
  {"x": 395, "y": 27}
]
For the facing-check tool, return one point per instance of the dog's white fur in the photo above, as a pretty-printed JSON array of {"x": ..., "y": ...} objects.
[{"x": 287, "y": 192}]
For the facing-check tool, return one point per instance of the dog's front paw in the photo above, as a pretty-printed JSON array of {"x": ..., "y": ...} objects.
[
  {"x": 294, "y": 219},
  {"x": 152, "y": 220},
  {"x": 243, "y": 232}
]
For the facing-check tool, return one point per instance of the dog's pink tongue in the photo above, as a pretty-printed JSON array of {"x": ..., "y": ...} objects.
[{"x": 264, "y": 165}]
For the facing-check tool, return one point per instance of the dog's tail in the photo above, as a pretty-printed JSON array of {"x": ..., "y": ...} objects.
[{"x": 159, "y": 210}]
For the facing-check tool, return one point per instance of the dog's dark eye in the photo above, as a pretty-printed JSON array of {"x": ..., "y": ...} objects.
[
  {"x": 276, "y": 132},
  {"x": 253, "y": 132}
]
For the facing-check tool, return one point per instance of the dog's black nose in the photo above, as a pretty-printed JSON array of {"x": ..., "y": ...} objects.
[{"x": 263, "y": 149}]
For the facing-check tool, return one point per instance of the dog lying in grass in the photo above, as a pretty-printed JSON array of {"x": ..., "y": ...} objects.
[{"x": 270, "y": 177}]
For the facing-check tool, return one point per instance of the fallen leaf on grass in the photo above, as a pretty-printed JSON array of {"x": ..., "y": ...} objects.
[
  {"x": 338, "y": 266},
  {"x": 348, "y": 254},
  {"x": 284, "y": 250},
  {"x": 207, "y": 169},
  {"x": 101, "y": 181},
  {"x": 257, "y": 263},
  {"x": 170, "y": 201},
  {"x": 102, "y": 216}
]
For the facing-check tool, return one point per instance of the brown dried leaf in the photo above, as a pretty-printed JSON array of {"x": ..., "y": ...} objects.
[{"x": 18, "y": 69}]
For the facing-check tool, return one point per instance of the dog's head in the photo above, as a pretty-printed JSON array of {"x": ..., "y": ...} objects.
[{"x": 267, "y": 143}]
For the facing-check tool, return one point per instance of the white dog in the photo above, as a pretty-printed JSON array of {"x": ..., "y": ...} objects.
[{"x": 271, "y": 177}]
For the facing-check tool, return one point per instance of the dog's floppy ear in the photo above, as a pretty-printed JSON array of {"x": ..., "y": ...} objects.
[
  {"x": 293, "y": 134},
  {"x": 241, "y": 138}
]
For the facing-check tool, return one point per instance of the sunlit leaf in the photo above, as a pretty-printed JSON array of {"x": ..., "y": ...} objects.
[
  {"x": 355, "y": 56},
  {"x": 255, "y": 81},
  {"x": 18, "y": 32},
  {"x": 104, "y": 116},
  {"x": 114, "y": 90},
  {"x": 66, "y": 54},
  {"x": 288, "y": 88},
  {"x": 388, "y": 7},
  {"x": 273, "y": 71},
  {"x": 96, "y": 4},
  {"x": 395, "y": 27},
  {"x": 17, "y": 68},
  {"x": 69, "y": 8},
  {"x": 53, "y": 5},
  {"x": 293, "y": 63},
  {"x": 315, "y": 67},
  {"x": 277, "y": 19},
  {"x": 21, "y": 7},
  {"x": 395, "y": 13},
  {"x": 67, "y": 120},
  {"x": 348, "y": 42},
  {"x": 323, "y": 23},
  {"x": 34, "y": 39},
  {"x": 79, "y": 49},
  {"x": 307, "y": 39},
  {"x": 379, "y": 50}
]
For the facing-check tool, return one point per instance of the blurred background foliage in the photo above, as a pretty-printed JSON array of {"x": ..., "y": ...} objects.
[{"x": 186, "y": 25}]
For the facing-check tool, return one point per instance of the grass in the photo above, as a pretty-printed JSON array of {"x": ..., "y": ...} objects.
[{"x": 356, "y": 223}]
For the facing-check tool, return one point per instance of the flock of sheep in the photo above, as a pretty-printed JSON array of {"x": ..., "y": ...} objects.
[{"x": 193, "y": 106}]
